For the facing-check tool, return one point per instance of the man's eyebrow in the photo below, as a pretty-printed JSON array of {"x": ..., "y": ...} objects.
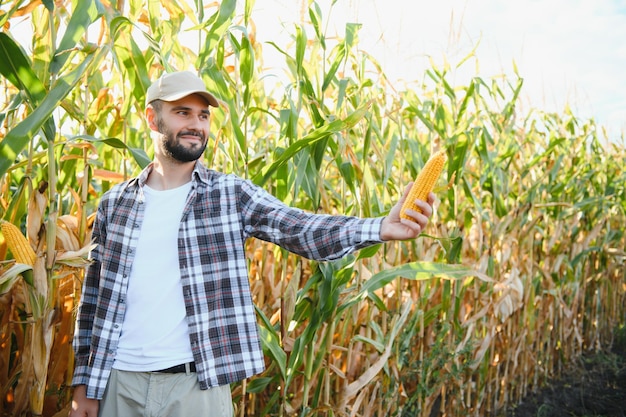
[{"x": 185, "y": 108}]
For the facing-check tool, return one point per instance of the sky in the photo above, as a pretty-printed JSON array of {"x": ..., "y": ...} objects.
[{"x": 569, "y": 52}]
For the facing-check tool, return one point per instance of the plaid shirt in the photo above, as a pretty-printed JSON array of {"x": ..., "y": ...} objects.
[{"x": 221, "y": 212}]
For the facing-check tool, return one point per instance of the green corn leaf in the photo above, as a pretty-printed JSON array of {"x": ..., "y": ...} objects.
[
  {"x": 139, "y": 155},
  {"x": 369, "y": 251},
  {"x": 248, "y": 8},
  {"x": 246, "y": 60},
  {"x": 315, "y": 14},
  {"x": 217, "y": 25},
  {"x": 421, "y": 271},
  {"x": 131, "y": 60},
  {"x": 17, "y": 68},
  {"x": 18, "y": 137},
  {"x": 310, "y": 139},
  {"x": 85, "y": 13},
  {"x": 271, "y": 343},
  {"x": 258, "y": 385},
  {"x": 340, "y": 55},
  {"x": 379, "y": 346},
  {"x": 300, "y": 50},
  {"x": 469, "y": 93}
]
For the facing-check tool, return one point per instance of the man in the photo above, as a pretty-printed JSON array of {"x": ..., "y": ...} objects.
[{"x": 166, "y": 320}]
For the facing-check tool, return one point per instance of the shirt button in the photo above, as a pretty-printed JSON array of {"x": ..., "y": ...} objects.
[{"x": 117, "y": 326}]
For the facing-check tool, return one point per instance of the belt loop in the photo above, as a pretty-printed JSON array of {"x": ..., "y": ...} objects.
[{"x": 187, "y": 369}]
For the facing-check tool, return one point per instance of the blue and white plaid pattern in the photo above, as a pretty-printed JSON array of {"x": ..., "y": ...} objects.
[{"x": 221, "y": 212}]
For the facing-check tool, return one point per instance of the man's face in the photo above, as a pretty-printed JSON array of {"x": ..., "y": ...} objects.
[{"x": 184, "y": 128}]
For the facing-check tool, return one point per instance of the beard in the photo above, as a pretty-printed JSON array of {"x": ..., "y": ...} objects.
[{"x": 174, "y": 148}]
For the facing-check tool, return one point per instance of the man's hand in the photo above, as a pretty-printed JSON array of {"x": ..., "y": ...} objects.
[
  {"x": 81, "y": 405},
  {"x": 395, "y": 228}
]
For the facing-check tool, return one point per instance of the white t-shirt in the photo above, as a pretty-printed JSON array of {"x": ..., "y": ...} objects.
[{"x": 155, "y": 333}]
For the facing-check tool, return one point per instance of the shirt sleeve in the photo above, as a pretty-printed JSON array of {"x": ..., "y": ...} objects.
[
  {"x": 315, "y": 236},
  {"x": 87, "y": 305}
]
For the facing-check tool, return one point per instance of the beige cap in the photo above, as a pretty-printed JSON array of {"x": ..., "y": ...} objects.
[{"x": 176, "y": 85}]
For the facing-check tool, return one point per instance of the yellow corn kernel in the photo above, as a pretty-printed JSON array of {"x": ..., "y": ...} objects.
[
  {"x": 17, "y": 243},
  {"x": 424, "y": 183}
]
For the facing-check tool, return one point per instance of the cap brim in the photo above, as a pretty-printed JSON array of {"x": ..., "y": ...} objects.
[{"x": 207, "y": 96}]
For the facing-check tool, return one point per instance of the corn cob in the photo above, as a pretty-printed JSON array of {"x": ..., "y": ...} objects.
[
  {"x": 17, "y": 243},
  {"x": 424, "y": 183}
]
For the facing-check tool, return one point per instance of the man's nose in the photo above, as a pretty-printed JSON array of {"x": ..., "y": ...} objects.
[{"x": 195, "y": 123}]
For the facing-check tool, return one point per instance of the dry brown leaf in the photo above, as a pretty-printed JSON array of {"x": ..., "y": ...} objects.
[{"x": 106, "y": 175}]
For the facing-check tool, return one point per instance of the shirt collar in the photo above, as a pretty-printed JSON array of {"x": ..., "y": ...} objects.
[{"x": 200, "y": 174}]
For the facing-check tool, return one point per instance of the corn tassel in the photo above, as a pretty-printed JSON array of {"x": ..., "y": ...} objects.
[
  {"x": 424, "y": 183},
  {"x": 18, "y": 244}
]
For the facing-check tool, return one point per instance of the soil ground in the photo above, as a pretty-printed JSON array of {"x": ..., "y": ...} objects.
[{"x": 594, "y": 387}]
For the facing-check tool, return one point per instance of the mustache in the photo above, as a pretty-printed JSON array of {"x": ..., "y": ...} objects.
[{"x": 190, "y": 133}]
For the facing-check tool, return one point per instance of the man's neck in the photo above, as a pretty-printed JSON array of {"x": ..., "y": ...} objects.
[{"x": 168, "y": 175}]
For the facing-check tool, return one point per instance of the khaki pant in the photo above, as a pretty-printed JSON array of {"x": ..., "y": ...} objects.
[{"x": 151, "y": 394}]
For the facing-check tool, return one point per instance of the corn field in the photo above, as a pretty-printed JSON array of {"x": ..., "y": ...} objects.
[{"x": 521, "y": 270}]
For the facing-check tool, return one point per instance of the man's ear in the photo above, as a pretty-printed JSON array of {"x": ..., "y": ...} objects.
[{"x": 151, "y": 117}]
